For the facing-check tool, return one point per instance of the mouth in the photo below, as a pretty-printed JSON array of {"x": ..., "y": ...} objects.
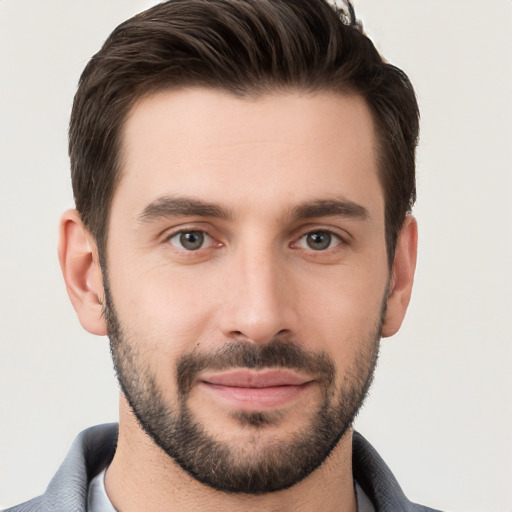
[{"x": 249, "y": 390}]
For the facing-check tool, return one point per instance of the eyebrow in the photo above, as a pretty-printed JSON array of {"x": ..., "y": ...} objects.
[
  {"x": 171, "y": 206},
  {"x": 330, "y": 208}
]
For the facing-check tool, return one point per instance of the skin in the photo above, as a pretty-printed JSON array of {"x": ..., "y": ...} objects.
[{"x": 258, "y": 160}]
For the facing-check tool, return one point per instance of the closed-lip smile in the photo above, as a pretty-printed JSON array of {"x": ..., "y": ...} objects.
[{"x": 255, "y": 390}]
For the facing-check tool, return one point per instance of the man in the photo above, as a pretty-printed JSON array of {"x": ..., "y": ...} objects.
[{"x": 243, "y": 174}]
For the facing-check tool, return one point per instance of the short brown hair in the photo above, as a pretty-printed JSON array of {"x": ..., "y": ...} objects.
[{"x": 246, "y": 47}]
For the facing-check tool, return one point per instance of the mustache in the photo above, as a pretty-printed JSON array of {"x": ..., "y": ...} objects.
[{"x": 276, "y": 353}]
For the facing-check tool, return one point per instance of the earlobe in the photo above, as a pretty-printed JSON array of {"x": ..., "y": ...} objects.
[
  {"x": 82, "y": 273},
  {"x": 402, "y": 277}
]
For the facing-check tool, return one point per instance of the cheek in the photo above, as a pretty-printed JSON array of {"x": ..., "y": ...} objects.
[
  {"x": 343, "y": 310},
  {"x": 164, "y": 308}
]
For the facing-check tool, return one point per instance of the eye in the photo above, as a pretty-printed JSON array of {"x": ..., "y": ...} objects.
[
  {"x": 318, "y": 240},
  {"x": 190, "y": 240}
]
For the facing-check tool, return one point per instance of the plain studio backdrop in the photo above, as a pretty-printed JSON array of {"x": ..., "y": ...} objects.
[{"x": 440, "y": 410}]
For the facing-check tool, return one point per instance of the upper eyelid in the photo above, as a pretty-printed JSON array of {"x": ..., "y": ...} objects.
[
  {"x": 330, "y": 232},
  {"x": 173, "y": 232},
  {"x": 169, "y": 232},
  {"x": 344, "y": 235}
]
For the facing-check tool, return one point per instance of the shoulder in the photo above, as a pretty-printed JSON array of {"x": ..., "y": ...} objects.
[
  {"x": 90, "y": 452},
  {"x": 377, "y": 480}
]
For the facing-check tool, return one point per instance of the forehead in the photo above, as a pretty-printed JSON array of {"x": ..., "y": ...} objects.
[{"x": 280, "y": 147}]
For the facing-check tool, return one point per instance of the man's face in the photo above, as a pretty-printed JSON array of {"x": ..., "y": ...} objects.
[{"x": 247, "y": 279}]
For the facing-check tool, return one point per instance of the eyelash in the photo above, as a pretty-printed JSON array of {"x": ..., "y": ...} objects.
[
  {"x": 190, "y": 231},
  {"x": 332, "y": 237}
]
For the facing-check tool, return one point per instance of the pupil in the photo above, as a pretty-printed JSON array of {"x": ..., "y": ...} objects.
[
  {"x": 319, "y": 240},
  {"x": 192, "y": 240}
]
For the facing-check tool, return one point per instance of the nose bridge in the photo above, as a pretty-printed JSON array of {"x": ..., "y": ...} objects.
[{"x": 258, "y": 306}]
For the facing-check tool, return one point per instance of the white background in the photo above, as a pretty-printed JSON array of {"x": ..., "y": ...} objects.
[{"x": 440, "y": 411}]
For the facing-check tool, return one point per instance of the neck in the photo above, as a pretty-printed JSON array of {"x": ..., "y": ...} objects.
[{"x": 142, "y": 478}]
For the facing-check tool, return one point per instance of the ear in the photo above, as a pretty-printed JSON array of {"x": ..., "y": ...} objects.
[
  {"x": 78, "y": 256},
  {"x": 400, "y": 286}
]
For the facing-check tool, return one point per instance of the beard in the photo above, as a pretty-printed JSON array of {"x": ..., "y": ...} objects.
[{"x": 258, "y": 464}]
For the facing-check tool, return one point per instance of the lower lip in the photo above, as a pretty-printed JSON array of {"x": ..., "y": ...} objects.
[{"x": 256, "y": 399}]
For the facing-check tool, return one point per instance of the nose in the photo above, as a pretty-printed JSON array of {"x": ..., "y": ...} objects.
[{"x": 258, "y": 300}]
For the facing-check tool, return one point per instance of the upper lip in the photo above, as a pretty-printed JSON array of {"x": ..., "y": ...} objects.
[{"x": 245, "y": 378}]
